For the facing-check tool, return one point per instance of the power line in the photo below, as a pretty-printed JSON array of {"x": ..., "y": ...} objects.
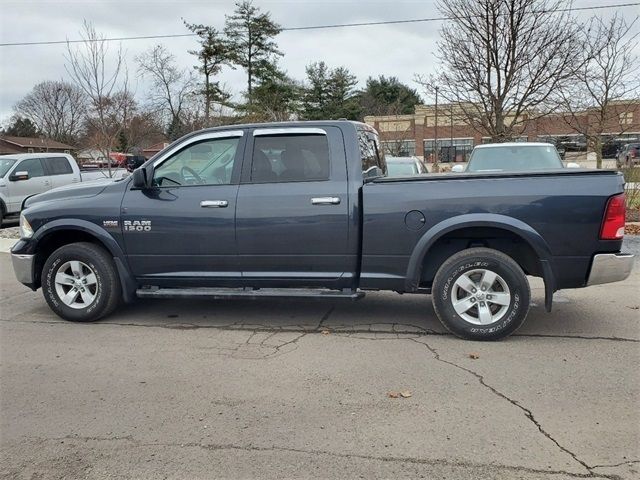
[{"x": 311, "y": 27}]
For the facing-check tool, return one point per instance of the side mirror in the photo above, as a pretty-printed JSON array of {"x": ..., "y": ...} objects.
[
  {"x": 140, "y": 178},
  {"x": 457, "y": 169},
  {"x": 572, "y": 165},
  {"x": 17, "y": 176}
]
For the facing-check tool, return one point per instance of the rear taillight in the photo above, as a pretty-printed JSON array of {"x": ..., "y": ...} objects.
[{"x": 613, "y": 223}]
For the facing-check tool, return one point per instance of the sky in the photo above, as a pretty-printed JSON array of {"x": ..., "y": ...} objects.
[{"x": 401, "y": 50}]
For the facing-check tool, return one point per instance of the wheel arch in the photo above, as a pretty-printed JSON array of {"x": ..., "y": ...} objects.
[
  {"x": 464, "y": 223},
  {"x": 58, "y": 233}
]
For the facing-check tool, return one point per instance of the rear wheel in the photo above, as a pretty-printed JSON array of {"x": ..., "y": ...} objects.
[
  {"x": 80, "y": 282},
  {"x": 481, "y": 294}
]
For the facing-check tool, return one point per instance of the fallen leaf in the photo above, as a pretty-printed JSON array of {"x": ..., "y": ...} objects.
[
  {"x": 393, "y": 394},
  {"x": 474, "y": 356},
  {"x": 405, "y": 394},
  {"x": 325, "y": 332}
]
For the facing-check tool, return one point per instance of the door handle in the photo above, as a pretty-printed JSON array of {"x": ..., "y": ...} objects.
[
  {"x": 325, "y": 200},
  {"x": 214, "y": 203}
]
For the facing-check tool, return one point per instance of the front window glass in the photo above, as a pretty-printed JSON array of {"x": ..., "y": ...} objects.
[
  {"x": 209, "y": 162},
  {"x": 5, "y": 165},
  {"x": 32, "y": 166},
  {"x": 514, "y": 159}
]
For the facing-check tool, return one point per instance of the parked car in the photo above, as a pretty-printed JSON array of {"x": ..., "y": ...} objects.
[
  {"x": 628, "y": 155},
  {"x": 26, "y": 174},
  {"x": 306, "y": 209},
  {"x": 405, "y": 166},
  {"x": 513, "y": 157}
]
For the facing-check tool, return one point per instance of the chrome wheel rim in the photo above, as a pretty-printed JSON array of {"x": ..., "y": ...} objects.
[
  {"x": 76, "y": 284},
  {"x": 480, "y": 297}
]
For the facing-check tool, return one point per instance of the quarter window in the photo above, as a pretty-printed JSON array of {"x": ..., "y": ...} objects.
[
  {"x": 209, "y": 162},
  {"x": 290, "y": 158},
  {"x": 373, "y": 164},
  {"x": 32, "y": 166},
  {"x": 58, "y": 166}
]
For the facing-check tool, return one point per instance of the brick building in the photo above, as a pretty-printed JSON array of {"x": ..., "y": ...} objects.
[{"x": 407, "y": 135}]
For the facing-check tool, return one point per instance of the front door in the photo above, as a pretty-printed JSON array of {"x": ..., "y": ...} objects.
[
  {"x": 37, "y": 182},
  {"x": 182, "y": 230},
  {"x": 293, "y": 209}
]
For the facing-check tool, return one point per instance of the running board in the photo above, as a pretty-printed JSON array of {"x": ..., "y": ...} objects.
[{"x": 225, "y": 293}]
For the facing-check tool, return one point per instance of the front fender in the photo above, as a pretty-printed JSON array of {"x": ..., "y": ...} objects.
[
  {"x": 523, "y": 230},
  {"x": 126, "y": 279}
]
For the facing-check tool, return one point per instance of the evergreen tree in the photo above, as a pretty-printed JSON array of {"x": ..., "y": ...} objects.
[
  {"x": 21, "y": 127},
  {"x": 387, "y": 96},
  {"x": 212, "y": 55},
  {"x": 250, "y": 36}
]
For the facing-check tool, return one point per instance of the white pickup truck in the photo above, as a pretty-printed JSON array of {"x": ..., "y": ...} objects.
[{"x": 26, "y": 174}]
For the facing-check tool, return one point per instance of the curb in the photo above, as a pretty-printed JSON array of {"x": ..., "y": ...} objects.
[{"x": 6, "y": 244}]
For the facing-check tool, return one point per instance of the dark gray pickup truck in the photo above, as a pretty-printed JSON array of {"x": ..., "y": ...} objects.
[{"x": 307, "y": 209}]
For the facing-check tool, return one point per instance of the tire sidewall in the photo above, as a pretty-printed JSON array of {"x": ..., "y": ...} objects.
[
  {"x": 512, "y": 319},
  {"x": 51, "y": 267}
]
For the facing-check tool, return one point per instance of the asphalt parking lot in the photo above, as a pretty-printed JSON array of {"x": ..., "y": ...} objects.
[{"x": 299, "y": 389}]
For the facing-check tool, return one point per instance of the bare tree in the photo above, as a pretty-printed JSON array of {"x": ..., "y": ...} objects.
[
  {"x": 501, "y": 60},
  {"x": 593, "y": 103},
  {"x": 102, "y": 75},
  {"x": 57, "y": 108},
  {"x": 170, "y": 89}
]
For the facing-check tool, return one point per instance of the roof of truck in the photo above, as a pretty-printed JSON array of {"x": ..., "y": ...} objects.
[{"x": 23, "y": 156}]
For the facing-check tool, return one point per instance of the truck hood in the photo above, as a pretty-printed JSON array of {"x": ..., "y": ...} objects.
[{"x": 74, "y": 190}]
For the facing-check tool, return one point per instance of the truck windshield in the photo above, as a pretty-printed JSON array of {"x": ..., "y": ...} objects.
[
  {"x": 514, "y": 158},
  {"x": 5, "y": 165},
  {"x": 398, "y": 169}
]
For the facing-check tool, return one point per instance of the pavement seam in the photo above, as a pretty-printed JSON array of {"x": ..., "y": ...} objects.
[
  {"x": 528, "y": 413},
  {"x": 384, "y": 458},
  {"x": 421, "y": 331}
]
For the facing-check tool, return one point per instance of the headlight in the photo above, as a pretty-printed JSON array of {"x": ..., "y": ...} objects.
[{"x": 25, "y": 228}]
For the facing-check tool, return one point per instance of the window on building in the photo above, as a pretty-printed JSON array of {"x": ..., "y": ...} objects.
[
  {"x": 399, "y": 148},
  {"x": 449, "y": 149},
  {"x": 290, "y": 158},
  {"x": 626, "y": 118},
  {"x": 521, "y": 138}
]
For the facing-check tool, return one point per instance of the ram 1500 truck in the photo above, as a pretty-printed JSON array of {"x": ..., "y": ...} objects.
[{"x": 307, "y": 209}]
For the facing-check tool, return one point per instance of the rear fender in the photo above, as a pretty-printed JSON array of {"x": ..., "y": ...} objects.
[{"x": 526, "y": 232}]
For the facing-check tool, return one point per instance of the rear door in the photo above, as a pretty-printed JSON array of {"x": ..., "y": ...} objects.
[
  {"x": 60, "y": 171},
  {"x": 292, "y": 221},
  {"x": 19, "y": 190}
]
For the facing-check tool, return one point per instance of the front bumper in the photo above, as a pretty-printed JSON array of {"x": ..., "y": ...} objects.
[
  {"x": 23, "y": 268},
  {"x": 610, "y": 267}
]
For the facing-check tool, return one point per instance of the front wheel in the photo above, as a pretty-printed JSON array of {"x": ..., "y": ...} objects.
[
  {"x": 481, "y": 294},
  {"x": 80, "y": 282}
]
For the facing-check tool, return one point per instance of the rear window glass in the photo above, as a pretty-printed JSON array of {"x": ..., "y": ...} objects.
[
  {"x": 290, "y": 158},
  {"x": 58, "y": 166},
  {"x": 514, "y": 159}
]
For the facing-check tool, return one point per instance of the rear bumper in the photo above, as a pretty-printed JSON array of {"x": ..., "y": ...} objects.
[
  {"x": 610, "y": 267},
  {"x": 23, "y": 268}
]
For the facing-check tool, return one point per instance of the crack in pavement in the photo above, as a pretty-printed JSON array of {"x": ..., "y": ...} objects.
[
  {"x": 528, "y": 413},
  {"x": 338, "y": 329},
  {"x": 382, "y": 458}
]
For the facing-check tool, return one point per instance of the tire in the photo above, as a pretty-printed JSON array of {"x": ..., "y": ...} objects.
[
  {"x": 65, "y": 269},
  {"x": 492, "y": 314}
]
